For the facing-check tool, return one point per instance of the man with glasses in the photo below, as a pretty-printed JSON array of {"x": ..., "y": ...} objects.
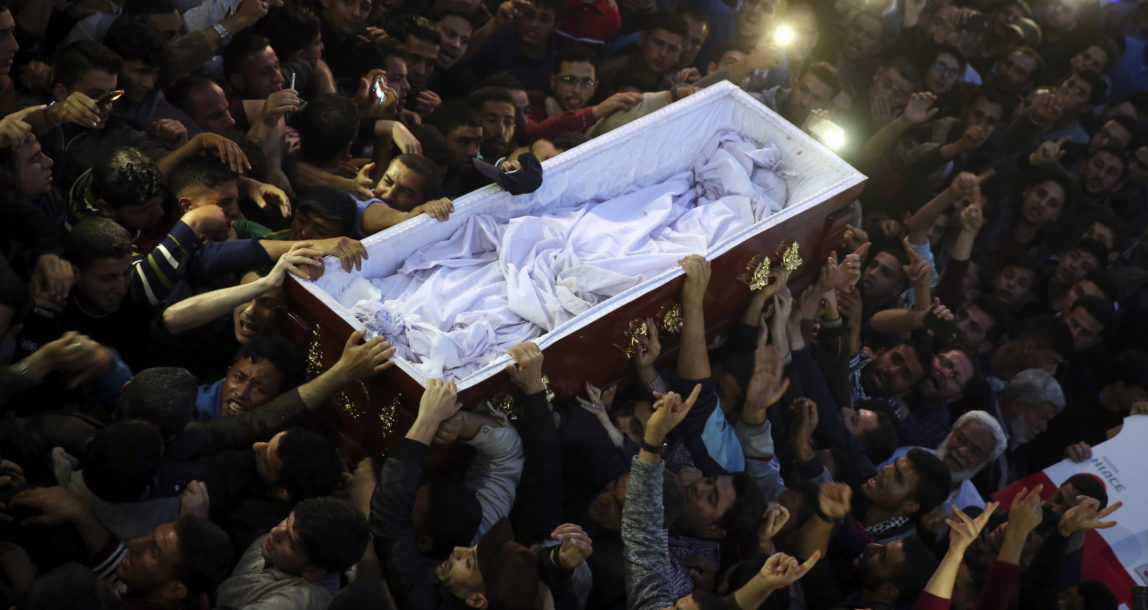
[{"x": 572, "y": 86}]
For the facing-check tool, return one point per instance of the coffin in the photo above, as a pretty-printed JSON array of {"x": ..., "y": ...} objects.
[{"x": 594, "y": 345}]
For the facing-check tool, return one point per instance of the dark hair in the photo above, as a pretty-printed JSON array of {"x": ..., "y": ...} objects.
[
  {"x": 673, "y": 499},
  {"x": 1097, "y": 595},
  {"x": 432, "y": 182},
  {"x": 880, "y": 444},
  {"x": 1090, "y": 485},
  {"x": 1096, "y": 83},
  {"x": 281, "y": 353},
  {"x": 1006, "y": 101},
  {"x": 311, "y": 465},
  {"x": 134, "y": 40},
  {"x": 81, "y": 57},
  {"x": 503, "y": 80},
  {"x": 915, "y": 572},
  {"x": 1093, "y": 247},
  {"x": 569, "y": 140},
  {"x": 741, "y": 519},
  {"x": 695, "y": 14},
  {"x": 441, "y": 10},
  {"x": 933, "y": 480},
  {"x": 452, "y": 115},
  {"x": 1032, "y": 53},
  {"x": 181, "y": 91},
  {"x": 1115, "y": 152},
  {"x": 1099, "y": 308},
  {"x": 138, "y": 9},
  {"x": 200, "y": 171},
  {"x": 905, "y": 67},
  {"x": 290, "y": 30},
  {"x": 126, "y": 177},
  {"x": 95, "y": 238},
  {"x": 241, "y": 49},
  {"x": 576, "y": 55},
  {"x": 70, "y": 585},
  {"x": 363, "y": 593},
  {"x": 332, "y": 533},
  {"x": 1105, "y": 282},
  {"x": 204, "y": 555},
  {"x": 670, "y": 22},
  {"x": 948, "y": 49},
  {"x": 163, "y": 396},
  {"x": 434, "y": 145},
  {"x": 732, "y": 45},
  {"x": 558, "y": 7},
  {"x": 453, "y": 516},
  {"x": 826, "y": 73},
  {"x": 326, "y": 126},
  {"x": 122, "y": 460},
  {"x": 1055, "y": 173},
  {"x": 403, "y": 27},
  {"x": 923, "y": 354},
  {"x": 1047, "y": 331},
  {"x": 489, "y": 94},
  {"x": 1112, "y": 47},
  {"x": 995, "y": 310}
]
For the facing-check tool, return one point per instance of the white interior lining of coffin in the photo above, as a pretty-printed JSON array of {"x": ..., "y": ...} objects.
[{"x": 643, "y": 152}]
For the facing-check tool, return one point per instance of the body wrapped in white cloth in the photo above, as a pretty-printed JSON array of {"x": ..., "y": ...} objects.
[{"x": 459, "y": 304}]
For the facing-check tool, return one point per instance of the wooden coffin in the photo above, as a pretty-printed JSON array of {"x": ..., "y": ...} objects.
[{"x": 594, "y": 345}]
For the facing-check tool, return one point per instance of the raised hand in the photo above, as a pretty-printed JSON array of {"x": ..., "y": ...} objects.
[
  {"x": 576, "y": 545},
  {"x": 264, "y": 194},
  {"x": 1025, "y": 513},
  {"x": 77, "y": 109},
  {"x": 14, "y": 128},
  {"x": 227, "y": 150},
  {"x": 526, "y": 373},
  {"x": 963, "y": 530},
  {"x": 669, "y": 411},
  {"x": 363, "y": 184},
  {"x": 697, "y": 270},
  {"x": 772, "y": 520},
  {"x": 362, "y": 359},
  {"x": 805, "y": 420},
  {"x": 195, "y": 501},
  {"x": 919, "y": 108},
  {"x": 972, "y": 218},
  {"x": 1048, "y": 152},
  {"x": 170, "y": 132},
  {"x": 919, "y": 270},
  {"x": 439, "y": 402},
  {"x": 1086, "y": 515},
  {"x": 781, "y": 570},
  {"x": 835, "y": 500},
  {"x": 349, "y": 251},
  {"x": 649, "y": 348},
  {"x": 1078, "y": 452},
  {"x": 301, "y": 260},
  {"x": 855, "y": 237},
  {"x": 767, "y": 384}
]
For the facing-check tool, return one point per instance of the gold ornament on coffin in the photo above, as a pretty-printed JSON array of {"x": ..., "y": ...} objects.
[
  {"x": 670, "y": 318},
  {"x": 388, "y": 415},
  {"x": 546, "y": 384},
  {"x": 315, "y": 353},
  {"x": 630, "y": 345},
  {"x": 757, "y": 272},
  {"x": 503, "y": 402},
  {"x": 791, "y": 257}
]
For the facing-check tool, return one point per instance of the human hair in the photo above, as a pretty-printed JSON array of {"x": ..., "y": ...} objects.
[
  {"x": 1099, "y": 308},
  {"x": 94, "y": 238},
  {"x": 163, "y": 396},
  {"x": 740, "y": 520},
  {"x": 489, "y": 94},
  {"x": 1034, "y": 387},
  {"x": 904, "y": 66},
  {"x": 139, "y": 9},
  {"x": 290, "y": 30},
  {"x": 327, "y": 125},
  {"x": 826, "y": 73},
  {"x": 126, "y": 177},
  {"x": 332, "y": 533},
  {"x": 915, "y": 572},
  {"x": 281, "y": 353},
  {"x": 241, "y": 49},
  {"x": 948, "y": 49},
  {"x": 453, "y": 516},
  {"x": 81, "y": 57},
  {"x": 558, "y": 7},
  {"x": 670, "y": 22},
  {"x": 403, "y": 27},
  {"x": 134, "y": 40},
  {"x": 434, "y": 146},
  {"x": 880, "y": 444},
  {"x": 122, "y": 460},
  {"x": 446, "y": 8},
  {"x": 1090, "y": 485},
  {"x": 995, "y": 310},
  {"x": 70, "y": 585},
  {"x": 1096, "y": 82},
  {"x": 204, "y": 555},
  {"x": 1097, "y": 595},
  {"x": 990, "y": 423},
  {"x": 181, "y": 91},
  {"x": 1007, "y": 101},
  {"x": 1028, "y": 51},
  {"x": 1115, "y": 152},
  {"x": 923, "y": 354},
  {"x": 1055, "y": 173},
  {"x": 1105, "y": 282},
  {"x": 199, "y": 171},
  {"x": 452, "y": 115},
  {"x": 695, "y": 14},
  {"x": 432, "y": 182},
  {"x": 933, "y": 480},
  {"x": 504, "y": 80},
  {"x": 1092, "y": 247},
  {"x": 576, "y": 55},
  {"x": 569, "y": 140},
  {"x": 311, "y": 465},
  {"x": 732, "y": 45},
  {"x": 1047, "y": 332}
]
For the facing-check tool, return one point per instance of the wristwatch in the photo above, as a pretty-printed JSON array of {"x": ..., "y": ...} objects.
[
  {"x": 654, "y": 449},
  {"x": 224, "y": 35}
]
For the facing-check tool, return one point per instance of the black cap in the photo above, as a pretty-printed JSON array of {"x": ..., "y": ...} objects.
[
  {"x": 525, "y": 180},
  {"x": 330, "y": 202}
]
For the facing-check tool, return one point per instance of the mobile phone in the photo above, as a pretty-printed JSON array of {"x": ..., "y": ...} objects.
[
  {"x": 111, "y": 96},
  {"x": 378, "y": 88},
  {"x": 827, "y": 132},
  {"x": 946, "y": 331}
]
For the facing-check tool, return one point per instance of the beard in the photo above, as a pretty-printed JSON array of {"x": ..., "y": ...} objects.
[{"x": 959, "y": 476}]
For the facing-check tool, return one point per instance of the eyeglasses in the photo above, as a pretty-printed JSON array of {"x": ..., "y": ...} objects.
[
  {"x": 583, "y": 82},
  {"x": 944, "y": 68}
]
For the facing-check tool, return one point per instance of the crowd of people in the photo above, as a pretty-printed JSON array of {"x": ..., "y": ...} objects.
[{"x": 166, "y": 164}]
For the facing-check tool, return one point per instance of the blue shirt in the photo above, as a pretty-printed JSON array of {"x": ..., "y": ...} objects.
[{"x": 208, "y": 401}]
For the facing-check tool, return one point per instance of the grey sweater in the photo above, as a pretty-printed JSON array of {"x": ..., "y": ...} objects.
[{"x": 646, "y": 553}]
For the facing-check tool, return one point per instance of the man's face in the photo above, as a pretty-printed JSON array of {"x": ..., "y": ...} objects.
[
  {"x": 1013, "y": 285},
  {"x": 574, "y": 84},
  {"x": 1086, "y": 330},
  {"x": 1100, "y": 232},
  {"x": 456, "y": 33},
  {"x": 167, "y": 24},
  {"x": 880, "y": 562},
  {"x": 312, "y": 52},
  {"x": 975, "y": 325},
  {"x": 33, "y": 168},
  {"x": 983, "y": 112},
  {"x": 421, "y": 58},
  {"x": 257, "y": 316},
  {"x": 808, "y": 93},
  {"x": 309, "y": 224},
  {"x": 139, "y": 217},
  {"x": 606, "y": 508},
  {"x": 966, "y": 450},
  {"x": 1093, "y": 58},
  {"x": 889, "y": 85},
  {"x": 282, "y": 549},
  {"x": 1030, "y": 421},
  {"x": 497, "y": 127},
  {"x": 8, "y": 44},
  {"x": 397, "y": 77},
  {"x": 249, "y": 385},
  {"x": 892, "y": 372},
  {"x": 260, "y": 76},
  {"x": 1110, "y": 134},
  {"x": 727, "y": 59},
  {"x": 463, "y": 145},
  {"x": 1103, "y": 173},
  {"x": 209, "y": 109},
  {"x": 883, "y": 278},
  {"x": 863, "y": 38},
  {"x": 943, "y": 74},
  {"x": 860, "y": 422},
  {"x": 401, "y": 187},
  {"x": 267, "y": 462},
  {"x": 535, "y": 25},
  {"x": 460, "y": 571},
  {"x": 95, "y": 84},
  {"x": 1014, "y": 71},
  {"x": 707, "y": 499},
  {"x": 225, "y": 195},
  {"x": 1084, "y": 287},
  {"x": 1061, "y": 15},
  {"x": 892, "y": 485},
  {"x": 946, "y": 381},
  {"x": 1074, "y": 264},
  {"x": 1042, "y": 203},
  {"x": 150, "y": 561},
  {"x": 138, "y": 79},
  {"x": 659, "y": 50},
  {"x": 754, "y": 18},
  {"x": 346, "y": 17},
  {"x": 696, "y": 34},
  {"x": 1072, "y": 96},
  {"x": 104, "y": 283},
  {"x": 1066, "y": 497}
]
